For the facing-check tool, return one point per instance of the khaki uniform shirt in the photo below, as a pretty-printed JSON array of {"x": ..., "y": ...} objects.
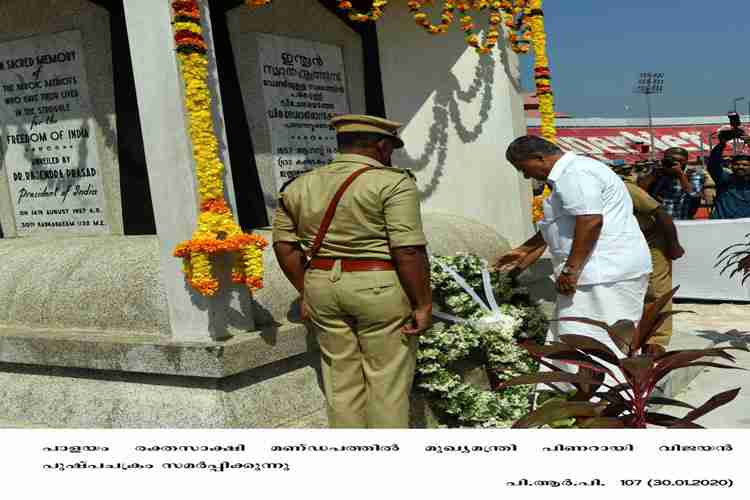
[
  {"x": 644, "y": 207},
  {"x": 379, "y": 210}
]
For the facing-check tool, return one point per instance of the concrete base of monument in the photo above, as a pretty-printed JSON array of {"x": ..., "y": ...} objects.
[
  {"x": 85, "y": 340},
  {"x": 283, "y": 394},
  {"x": 77, "y": 380}
]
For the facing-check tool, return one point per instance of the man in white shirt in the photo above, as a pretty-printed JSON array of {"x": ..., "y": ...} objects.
[{"x": 601, "y": 259}]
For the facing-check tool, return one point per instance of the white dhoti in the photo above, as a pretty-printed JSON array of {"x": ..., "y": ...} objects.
[{"x": 607, "y": 302}]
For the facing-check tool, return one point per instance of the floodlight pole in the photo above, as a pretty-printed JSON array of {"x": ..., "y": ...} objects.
[
  {"x": 650, "y": 83},
  {"x": 650, "y": 126}
]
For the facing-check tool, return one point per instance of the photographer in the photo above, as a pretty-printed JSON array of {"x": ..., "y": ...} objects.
[
  {"x": 732, "y": 190},
  {"x": 669, "y": 184}
]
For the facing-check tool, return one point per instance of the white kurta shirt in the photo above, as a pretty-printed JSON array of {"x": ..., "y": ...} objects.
[{"x": 584, "y": 186}]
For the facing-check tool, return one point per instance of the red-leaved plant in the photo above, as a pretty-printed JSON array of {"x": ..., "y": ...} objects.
[
  {"x": 625, "y": 403},
  {"x": 735, "y": 258}
]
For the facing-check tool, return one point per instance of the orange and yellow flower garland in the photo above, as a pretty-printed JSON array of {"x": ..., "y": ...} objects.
[
  {"x": 375, "y": 13},
  {"x": 467, "y": 22},
  {"x": 493, "y": 32},
  {"x": 515, "y": 17},
  {"x": 524, "y": 20},
  {"x": 543, "y": 90},
  {"x": 217, "y": 231},
  {"x": 542, "y": 72},
  {"x": 446, "y": 15}
]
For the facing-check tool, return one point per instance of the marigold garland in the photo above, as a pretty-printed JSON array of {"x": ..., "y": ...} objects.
[
  {"x": 524, "y": 23},
  {"x": 516, "y": 20},
  {"x": 216, "y": 230},
  {"x": 446, "y": 16},
  {"x": 544, "y": 93},
  {"x": 537, "y": 207},
  {"x": 375, "y": 13},
  {"x": 542, "y": 72},
  {"x": 493, "y": 32}
]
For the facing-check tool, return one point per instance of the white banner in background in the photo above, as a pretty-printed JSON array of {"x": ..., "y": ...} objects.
[{"x": 703, "y": 241}]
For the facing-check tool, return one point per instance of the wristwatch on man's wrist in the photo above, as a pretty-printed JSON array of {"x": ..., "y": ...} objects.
[{"x": 569, "y": 270}]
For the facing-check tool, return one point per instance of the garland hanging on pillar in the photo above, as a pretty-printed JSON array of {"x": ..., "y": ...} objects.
[
  {"x": 217, "y": 230},
  {"x": 524, "y": 22},
  {"x": 542, "y": 72},
  {"x": 543, "y": 91}
]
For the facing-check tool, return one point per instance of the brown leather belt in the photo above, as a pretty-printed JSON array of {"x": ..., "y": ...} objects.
[{"x": 352, "y": 265}]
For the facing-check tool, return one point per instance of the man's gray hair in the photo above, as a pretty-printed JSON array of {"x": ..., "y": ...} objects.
[{"x": 530, "y": 146}]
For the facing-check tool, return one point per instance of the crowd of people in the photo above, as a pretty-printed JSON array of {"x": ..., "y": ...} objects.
[{"x": 714, "y": 187}]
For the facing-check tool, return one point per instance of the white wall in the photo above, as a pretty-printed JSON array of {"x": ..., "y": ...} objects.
[
  {"x": 461, "y": 111},
  {"x": 301, "y": 19},
  {"x": 26, "y": 18}
]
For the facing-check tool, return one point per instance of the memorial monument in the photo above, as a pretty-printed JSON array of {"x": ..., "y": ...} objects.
[{"x": 98, "y": 327}]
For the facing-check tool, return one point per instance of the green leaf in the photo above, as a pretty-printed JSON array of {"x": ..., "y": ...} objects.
[{"x": 557, "y": 410}]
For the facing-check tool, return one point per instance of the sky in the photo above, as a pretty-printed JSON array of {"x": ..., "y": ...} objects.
[{"x": 597, "y": 49}]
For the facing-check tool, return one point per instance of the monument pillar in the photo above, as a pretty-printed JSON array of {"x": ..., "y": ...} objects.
[
  {"x": 171, "y": 169},
  {"x": 460, "y": 111}
]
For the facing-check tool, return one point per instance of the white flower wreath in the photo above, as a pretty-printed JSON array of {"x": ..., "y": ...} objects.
[{"x": 489, "y": 328}]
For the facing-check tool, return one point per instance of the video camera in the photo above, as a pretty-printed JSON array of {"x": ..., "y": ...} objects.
[
  {"x": 645, "y": 166},
  {"x": 736, "y": 132}
]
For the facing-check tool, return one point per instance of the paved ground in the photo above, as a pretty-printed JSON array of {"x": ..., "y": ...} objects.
[{"x": 726, "y": 324}]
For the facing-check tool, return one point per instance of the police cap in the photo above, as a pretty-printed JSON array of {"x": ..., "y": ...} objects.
[{"x": 368, "y": 124}]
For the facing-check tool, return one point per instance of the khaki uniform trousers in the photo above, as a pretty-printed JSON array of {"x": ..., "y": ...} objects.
[
  {"x": 367, "y": 363},
  {"x": 660, "y": 283}
]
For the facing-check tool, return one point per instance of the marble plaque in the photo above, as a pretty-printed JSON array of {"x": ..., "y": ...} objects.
[
  {"x": 303, "y": 85},
  {"x": 48, "y": 138}
]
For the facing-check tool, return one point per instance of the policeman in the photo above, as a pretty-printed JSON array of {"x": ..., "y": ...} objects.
[
  {"x": 349, "y": 237},
  {"x": 661, "y": 235}
]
